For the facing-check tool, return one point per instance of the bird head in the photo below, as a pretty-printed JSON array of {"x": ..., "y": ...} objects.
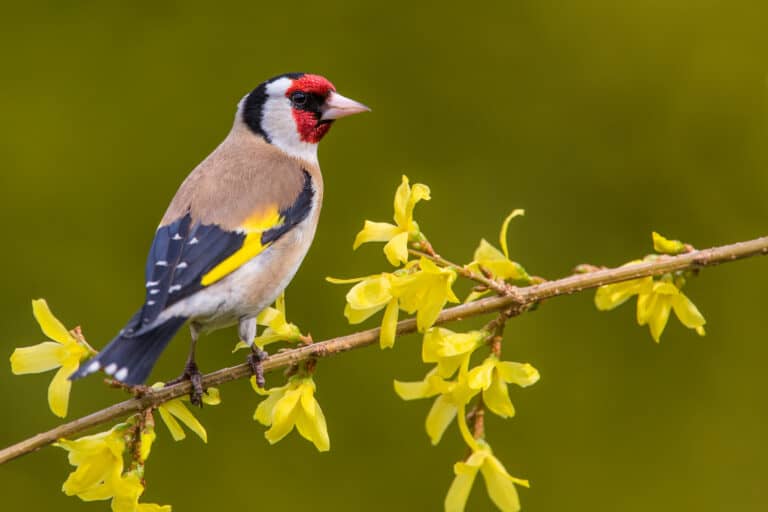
[{"x": 294, "y": 111}]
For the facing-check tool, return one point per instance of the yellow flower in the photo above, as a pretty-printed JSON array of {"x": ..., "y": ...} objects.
[
  {"x": 653, "y": 308},
  {"x": 405, "y": 229},
  {"x": 293, "y": 404},
  {"x": 451, "y": 395},
  {"x": 175, "y": 409},
  {"x": 64, "y": 352},
  {"x": 655, "y": 299},
  {"x": 665, "y": 246},
  {"x": 497, "y": 262},
  {"x": 492, "y": 376},
  {"x": 449, "y": 349},
  {"x": 498, "y": 482},
  {"x": 425, "y": 292},
  {"x": 99, "y": 461},
  {"x": 127, "y": 491},
  {"x": 370, "y": 295},
  {"x": 277, "y": 327}
]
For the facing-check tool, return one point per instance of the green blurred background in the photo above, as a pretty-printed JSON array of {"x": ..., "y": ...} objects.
[{"x": 605, "y": 120}]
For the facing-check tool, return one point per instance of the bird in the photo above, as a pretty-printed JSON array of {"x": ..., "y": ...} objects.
[{"x": 237, "y": 230}]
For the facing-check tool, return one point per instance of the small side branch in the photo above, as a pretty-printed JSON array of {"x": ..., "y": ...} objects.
[{"x": 517, "y": 301}]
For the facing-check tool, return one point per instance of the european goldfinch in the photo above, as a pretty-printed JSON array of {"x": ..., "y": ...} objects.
[{"x": 237, "y": 230}]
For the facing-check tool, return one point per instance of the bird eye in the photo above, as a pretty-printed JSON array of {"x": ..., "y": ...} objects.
[{"x": 299, "y": 99}]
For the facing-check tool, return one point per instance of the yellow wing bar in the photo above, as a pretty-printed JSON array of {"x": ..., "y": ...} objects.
[{"x": 254, "y": 226}]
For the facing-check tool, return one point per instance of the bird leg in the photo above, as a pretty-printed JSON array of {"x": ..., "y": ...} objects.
[
  {"x": 247, "y": 331},
  {"x": 192, "y": 372}
]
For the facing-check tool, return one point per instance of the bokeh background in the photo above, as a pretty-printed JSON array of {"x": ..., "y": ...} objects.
[{"x": 605, "y": 120}]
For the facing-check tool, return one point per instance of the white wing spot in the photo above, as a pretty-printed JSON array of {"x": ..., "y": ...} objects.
[
  {"x": 150, "y": 284},
  {"x": 110, "y": 369},
  {"x": 182, "y": 265},
  {"x": 194, "y": 241},
  {"x": 154, "y": 291},
  {"x": 174, "y": 288},
  {"x": 122, "y": 373},
  {"x": 176, "y": 237},
  {"x": 150, "y": 303},
  {"x": 161, "y": 263},
  {"x": 94, "y": 366}
]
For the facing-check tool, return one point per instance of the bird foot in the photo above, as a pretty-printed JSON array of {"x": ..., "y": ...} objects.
[
  {"x": 193, "y": 375},
  {"x": 254, "y": 361}
]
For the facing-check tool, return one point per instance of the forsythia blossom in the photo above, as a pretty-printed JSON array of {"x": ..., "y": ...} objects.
[
  {"x": 406, "y": 229},
  {"x": 451, "y": 395},
  {"x": 99, "y": 462},
  {"x": 175, "y": 409},
  {"x": 492, "y": 376},
  {"x": 293, "y": 404},
  {"x": 497, "y": 262},
  {"x": 656, "y": 298},
  {"x": 421, "y": 287},
  {"x": 499, "y": 483},
  {"x": 65, "y": 353}
]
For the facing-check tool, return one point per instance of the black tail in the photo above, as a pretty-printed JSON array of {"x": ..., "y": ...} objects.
[{"x": 130, "y": 358}]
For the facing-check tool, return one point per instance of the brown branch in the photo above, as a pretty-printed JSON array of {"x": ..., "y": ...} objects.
[{"x": 518, "y": 301}]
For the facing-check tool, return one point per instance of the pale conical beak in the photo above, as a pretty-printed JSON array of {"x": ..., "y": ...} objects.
[{"x": 337, "y": 106}]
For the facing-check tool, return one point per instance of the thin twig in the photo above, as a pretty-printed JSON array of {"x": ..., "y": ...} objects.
[{"x": 524, "y": 297}]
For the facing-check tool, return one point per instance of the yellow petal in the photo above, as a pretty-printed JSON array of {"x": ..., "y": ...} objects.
[
  {"x": 389, "y": 325},
  {"x": 50, "y": 325},
  {"x": 454, "y": 344},
  {"x": 402, "y": 197},
  {"x": 665, "y": 246},
  {"x": 645, "y": 305},
  {"x": 373, "y": 292},
  {"x": 266, "y": 407},
  {"x": 687, "y": 312},
  {"x": 284, "y": 416},
  {"x": 396, "y": 250},
  {"x": 375, "y": 232},
  {"x": 504, "y": 226},
  {"x": 178, "y": 409},
  {"x": 496, "y": 397},
  {"x": 335, "y": 280},
  {"x": 37, "y": 358},
  {"x": 268, "y": 316},
  {"x": 440, "y": 416},
  {"x": 611, "y": 296},
  {"x": 659, "y": 316},
  {"x": 522, "y": 374},
  {"x": 177, "y": 433},
  {"x": 311, "y": 424},
  {"x": 147, "y": 439},
  {"x": 458, "y": 493},
  {"x": 479, "y": 377},
  {"x": 58, "y": 391},
  {"x": 501, "y": 488},
  {"x": 416, "y": 390}
]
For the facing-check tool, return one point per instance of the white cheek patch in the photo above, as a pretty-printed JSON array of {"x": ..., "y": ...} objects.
[{"x": 278, "y": 123}]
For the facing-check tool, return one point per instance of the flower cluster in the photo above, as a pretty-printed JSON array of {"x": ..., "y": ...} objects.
[
  {"x": 99, "y": 473},
  {"x": 656, "y": 297},
  {"x": 422, "y": 286}
]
